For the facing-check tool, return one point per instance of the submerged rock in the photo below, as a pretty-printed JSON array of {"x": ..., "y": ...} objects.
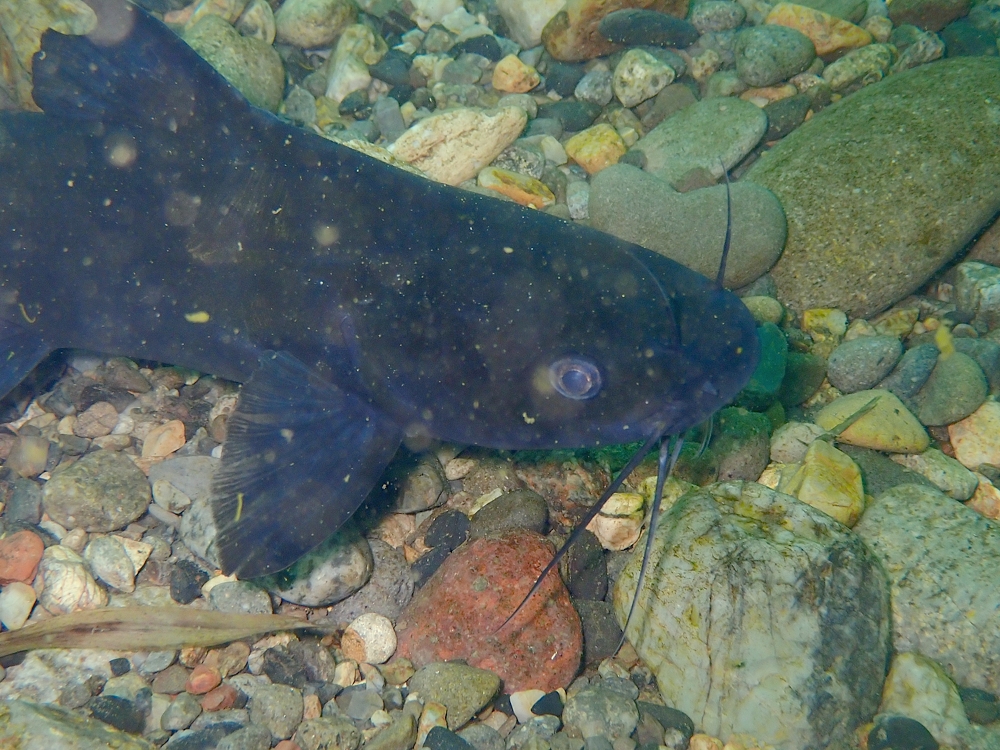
[{"x": 751, "y": 589}]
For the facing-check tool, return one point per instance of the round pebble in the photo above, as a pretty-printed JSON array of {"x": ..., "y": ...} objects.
[
  {"x": 103, "y": 491},
  {"x": 370, "y": 638},
  {"x": 862, "y": 363}
]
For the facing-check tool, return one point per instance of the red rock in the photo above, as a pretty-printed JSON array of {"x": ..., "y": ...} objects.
[
  {"x": 457, "y": 614},
  {"x": 20, "y": 554},
  {"x": 219, "y": 699},
  {"x": 202, "y": 679}
]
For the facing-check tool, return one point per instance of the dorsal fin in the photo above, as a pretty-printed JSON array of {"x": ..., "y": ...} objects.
[{"x": 130, "y": 68}]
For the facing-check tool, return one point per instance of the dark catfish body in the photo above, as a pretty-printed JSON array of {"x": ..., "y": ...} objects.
[{"x": 152, "y": 212}]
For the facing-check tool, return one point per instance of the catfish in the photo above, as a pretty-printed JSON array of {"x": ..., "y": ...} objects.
[{"x": 150, "y": 211}]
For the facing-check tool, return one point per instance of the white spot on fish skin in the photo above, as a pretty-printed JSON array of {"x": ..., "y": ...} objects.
[
  {"x": 326, "y": 235},
  {"x": 527, "y": 419},
  {"x": 197, "y": 317},
  {"x": 287, "y": 434},
  {"x": 508, "y": 250},
  {"x": 120, "y": 150}
]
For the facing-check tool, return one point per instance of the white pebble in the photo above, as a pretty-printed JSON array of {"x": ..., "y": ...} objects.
[
  {"x": 370, "y": 638},
  {"x": 16, "y": 601}
]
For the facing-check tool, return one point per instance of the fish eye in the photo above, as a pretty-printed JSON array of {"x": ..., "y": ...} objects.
[{"x": 575, "y": 377}]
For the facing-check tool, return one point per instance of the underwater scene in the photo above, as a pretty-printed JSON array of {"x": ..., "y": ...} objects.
[{"x": 500, "y": 374}]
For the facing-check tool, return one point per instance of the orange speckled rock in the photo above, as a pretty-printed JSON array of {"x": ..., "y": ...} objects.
[
  {"x": 514, "y": 76},
  {"x": 572, "y": 33},
  {"x": 769, "y": 94},
  {"x": 202, "y": 679},
  {"x": 518, "y": 187},
  {"x": 830, "y": 35},
  {"x": 20, "y": 554},
  {"x": 457, "y": 614},
  {"x": 596, "y": 147}
]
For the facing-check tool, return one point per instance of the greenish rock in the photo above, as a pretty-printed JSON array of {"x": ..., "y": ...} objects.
[
  {"x": 464, "y": 690},
  {"x": 101, "y": 492},
  {"x": 769, "y": 54},
  {"x": 328, "y": 574},
  {"x": 399, "y": 735},
  {"x": 749, "y": 588},
  {"x": 249, "y": 64},
  {"x": 702, "y": 135},
  {"x": 770, "y": 372},
  {"x": 690, "y": 228},
  {"x": 520, "y": 509},
  {"x": 250, "y": 737},
  {"x": 955, "y": 389},
  {"x": 861, "y": 363},
  {"x": 31, "y": 725},
  {"x": 860, "y": 67},
  {"x": 804, "y": 374},
  {"x": 863, "y": 232},
  {"x": 742, "y": 445},
  {"x": 849, "y": 10},
  {"x": 277, "y": 707},
  {"x": 880, "y": 473},
  {"x": 324, "y": 733},
  {"x": 597, "y": 711}
]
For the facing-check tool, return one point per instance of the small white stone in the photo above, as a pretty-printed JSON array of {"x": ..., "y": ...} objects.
[
  {"x": 919, "y": 688},
  {"x": 522, "y": 701},
  {"x": 65, "y": 585},
  {"x": 791, "y": 441},
  {"x": 138, "y": 552},
  {"x": 346, "y": 673},
  {"x": 169, "y": 497},
  {"x": 370, "y": 638},
  {"x": 640, "y": 76},
  {"x": 16, "y": 601},
  {"x": 618, "y": 525},
  {"x": 109, "y": 562}
]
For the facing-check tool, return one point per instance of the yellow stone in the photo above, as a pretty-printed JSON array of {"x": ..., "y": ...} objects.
[
  {"x": 596, "y": 147},
  {"x": 898, "y": 322},
  {"x": 618, "y": 525},
  {"x": 829, "y": 481},
  {"x": 830, "y": 35},
  {"x": 886, "y": 426},
  {"x": 514, "y": 76},
  {"x": 518, "y": 187},
  {"x": 976, "y": 439},
  {"x": 826, "y": 322},
  {"x": 163, "y": 440}
]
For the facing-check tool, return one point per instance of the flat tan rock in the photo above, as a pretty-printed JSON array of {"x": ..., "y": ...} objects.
[{"x": 887, "y": 426}]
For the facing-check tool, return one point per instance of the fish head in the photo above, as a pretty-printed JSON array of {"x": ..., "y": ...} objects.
[{"x": 543, "y": 335}]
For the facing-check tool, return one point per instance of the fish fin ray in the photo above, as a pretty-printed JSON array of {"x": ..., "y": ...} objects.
[
  {"x": 130, "y": 68},
  {"x": 300, "y": 457}
]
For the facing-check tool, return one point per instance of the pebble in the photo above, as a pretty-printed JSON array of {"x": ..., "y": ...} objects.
[
  {"x": 120, "y": 713},
  {"x": 519, "y": 509},
  {"x": 596, "y": 148},
  {"x": 101, "y": 492},
  {"x": 831, "y": 36},
  {"x": 713, "y": 16},
  {"x": 619, "y": 522},
  {"x": 327, "y": 734},
  {"x": 912, "y": 371},
  {"x": 370, "y": 638},
  {"x": 572, "y": 115},
  {"x": 701, "y": 135},
  {"x": 977, "y": 292},
  {"x": 249, "y": 64},
  {"x": 947, "y": 474},
  {"x": 20, "y": 554},
  {"x": 97, "y": 420},
  {"x": 65, "y": 584},
  {"x": 389, "y": 589},
  {"x": 632, "y": 204},
  {"x": 28, "y": 455},
  {"x": 976, "y": 439},
  {"x": 446, "y": 617},
  {"x": 633, "y": 27},
  {"x": 512, "y": 76},
  {"x": 595, "y": 87},
  {"x": 986, "y": 499},
  {"x": 451, "y": 147},
  {"x": 804, "y": 376},
  {"x": 313, "y": 23},
  {"x": 16, "y": 602},
  {"x": 862, "y": 363},
  {"x": 955, "y": 389},
  {"x": 331, "y": 572},
  {"x": 640, "y": 76},
  {"x": 171, "y": 679},
  {"x": 181, "y": 712},
  {"x": 202, "y": 679},
  {"x": 769, "y": 54},
  {"x": 930, "y": 15},
  {"x": 886, "y": 426},
  {"x": 109, "y": 562},
  {"x": 526, "y": 18},
  {"x": 521, "y": 189},
  {"x": 829, "y": 481},
  {"x": 240, "y": 597},
  {"x": 464, "y": 690},
  {"x": 866, "y": 65},
  {"x": 277, "y": 707},
  {"x": 599, "y": 712}
]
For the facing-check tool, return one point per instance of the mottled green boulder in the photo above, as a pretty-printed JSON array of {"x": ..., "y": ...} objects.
[{"x": 883, "y": 188}]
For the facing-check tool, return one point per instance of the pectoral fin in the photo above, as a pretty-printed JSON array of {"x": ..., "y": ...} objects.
[
  {"x": 20, "y": 350},
  {"x": 300, "y": 457}
]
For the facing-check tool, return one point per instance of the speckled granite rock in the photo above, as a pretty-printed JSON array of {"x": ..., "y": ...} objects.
[
  {"x": 752, "y": 590},
  {"x": 456, "y": 615},
  {"x": 945, "y": 591},
  {"x": 848, "y": 246}
]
